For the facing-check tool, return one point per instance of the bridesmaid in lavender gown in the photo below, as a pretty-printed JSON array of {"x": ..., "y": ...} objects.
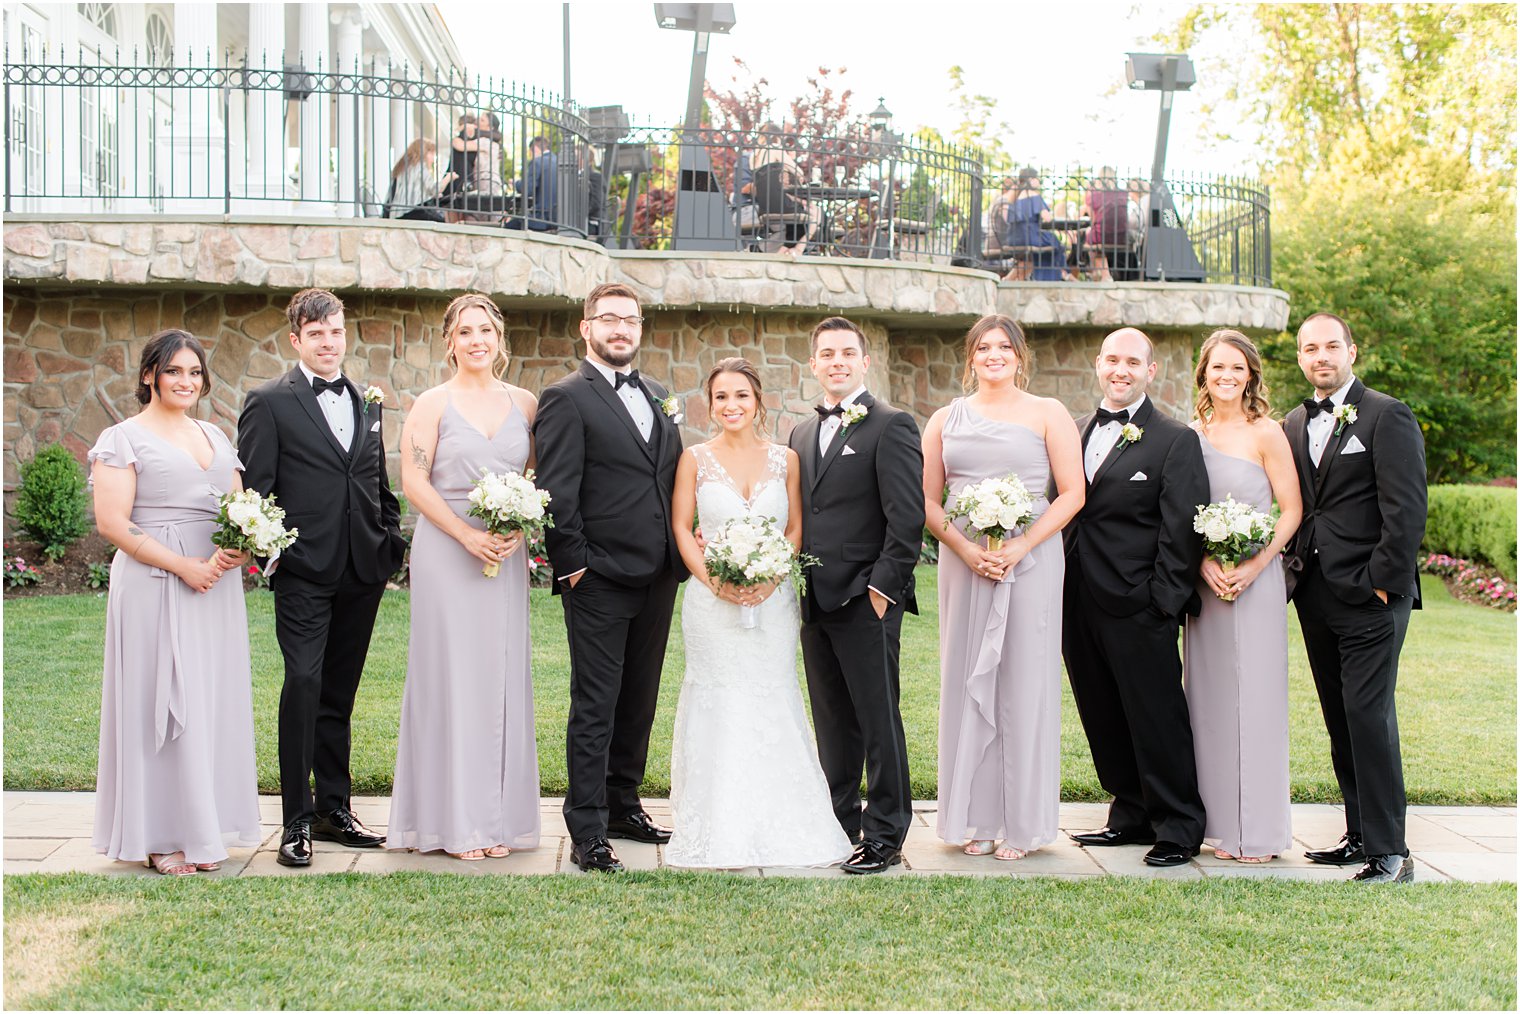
[
  {"x": 1235, "y": 653},
  {"x": 175, "y": 784},
  {"x": 1000, "y": 612},
  {"x": 466, "y": 764}
]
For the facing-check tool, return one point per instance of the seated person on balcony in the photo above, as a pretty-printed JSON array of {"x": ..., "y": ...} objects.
[
  {"x": 1139, "y": 209},
  {"x": 538, "y": 187},
  {"x": 775, "y": 170},
  {"x": 481, "y": 199},
  {"x": 1108, "y": 237},
  {"x": 461, "y": 160},
  {"x": 1023, "y": 212},
  {"x": 413, "y": 192}
]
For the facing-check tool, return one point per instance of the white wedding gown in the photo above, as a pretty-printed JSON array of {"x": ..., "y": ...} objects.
[{"x": 746, "y": 788}]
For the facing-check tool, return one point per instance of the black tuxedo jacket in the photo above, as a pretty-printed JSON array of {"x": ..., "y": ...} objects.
[
  {"x": 610, "y": 487},
  {"x": 1134, "y": 537},
  {"x": 1364, "y": 510},
  {"x": 340, "y": 500},
  {"x": 862, "y": 511}
]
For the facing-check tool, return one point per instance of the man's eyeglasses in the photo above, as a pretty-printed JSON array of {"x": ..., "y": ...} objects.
[{"x": 611, "y": 319}]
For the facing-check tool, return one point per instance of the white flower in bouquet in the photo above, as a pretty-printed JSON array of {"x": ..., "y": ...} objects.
[
  {"x": 247, "y": 522},
  {"x": 508, "y": 502},
  {"x": 752, "y": 551},
  {"x": 993, "y": 508}
]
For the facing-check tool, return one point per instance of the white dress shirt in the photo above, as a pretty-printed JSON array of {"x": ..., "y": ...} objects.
[
  {"x": 338, "y": 407},
  {"x": 1323, "y": 423},
  {"x": 1103, "y": 438},
  {"x": 635, "y": 399},
  {"x": 831, "y": 425}
]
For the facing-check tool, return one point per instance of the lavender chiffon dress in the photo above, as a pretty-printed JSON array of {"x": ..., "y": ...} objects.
[
  {"x": 1235, "y": 674},
  {"x": 466, "y": 763},
  {"x": 1000, "y": 659},
  {"x": 176, "y": 768}
]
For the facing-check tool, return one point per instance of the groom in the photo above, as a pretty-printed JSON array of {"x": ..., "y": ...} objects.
[
  {"x": 863, "y": 517},
  {"x": 314, "y": 441},
  {"x": 1352, "y": 576},
  {"x": 607, "y": 452},
  {"x": 1131, "y": 569}
]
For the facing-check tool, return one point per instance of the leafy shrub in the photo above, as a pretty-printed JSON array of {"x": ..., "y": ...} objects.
[
  {"x": 50, "y": 502},
  {"x": 1476, "y": 522},
  {"x": 98, "y": 575}
]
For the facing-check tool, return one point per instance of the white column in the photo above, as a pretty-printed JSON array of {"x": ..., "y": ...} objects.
[
  {"x": 314, "y": 118},
  {"x": 266, "y": 137},
  {"x": 381, "y": 157},
  {"x": 198, "y": 133},
  {"x": 350, "y": 27}
]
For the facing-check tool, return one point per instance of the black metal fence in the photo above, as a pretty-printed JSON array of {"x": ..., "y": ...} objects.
[{"x": 393, "y": 142}]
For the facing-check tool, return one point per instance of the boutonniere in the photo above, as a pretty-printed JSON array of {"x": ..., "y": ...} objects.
[
  {"x": 373, "y": 395},
  {"x": 1129, "y": 433},
  {"x": 670, "y": 406},
  {"x": 1345, "y": 415},
  {"x": 851, "y": 415}
]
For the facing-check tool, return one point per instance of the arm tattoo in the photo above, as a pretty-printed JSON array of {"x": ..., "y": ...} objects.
[
  {"x": 134, "y": 530},
  {"x": 420, "y": 459}
]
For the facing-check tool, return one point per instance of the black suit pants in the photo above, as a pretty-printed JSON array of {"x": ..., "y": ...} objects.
[
  {"x": 617, "y": 636},
  {"x": 1354, "y": 654},
  {"x": 324, "y": 631},
  {"x": 1126, "y": 677},
  {"x": 852, "y": 676}
]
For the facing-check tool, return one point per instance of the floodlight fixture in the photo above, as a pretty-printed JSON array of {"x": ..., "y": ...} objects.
[
  {"x": 1159, "y": 72},
  {"x": 695, "y": 17}
]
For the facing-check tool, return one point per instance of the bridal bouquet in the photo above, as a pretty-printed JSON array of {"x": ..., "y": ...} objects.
[
  {"x": 1232, "y": 531},
  {"x": 747, "y": 551},
  {"x": 508, "y": 502},
  {"x": 994, "y": 508},
  {"x": 248, "y": 522}
]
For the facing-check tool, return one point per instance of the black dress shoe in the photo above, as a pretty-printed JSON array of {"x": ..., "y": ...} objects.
[
  {"x": 344, "y": 828},
  {"x": 1108, "y": 837},
  {"x": 295, "y": 845},
  {"x": 1386, "y": 870},
  {"x": 595, "y": 855},
  {"x": 872, "y": 856},
  {"x": 1166, "y": 853},
  {"x": 638, "y": 827},
  {"x": 1347, "y": 852}
]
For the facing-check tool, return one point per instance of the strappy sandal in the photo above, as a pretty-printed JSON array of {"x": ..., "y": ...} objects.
[
  {"x": 208, "y": 867},
  {"x": 1013, "y": 853},
  {"x": 470, "y": 855},
  {"x": 1222, "y": 854},
  {"x": 164, "y": 863},
  {"x": 1255, "y": 860},
  {"x": 979, "y": 848},
  {"x": 497, "y": 852}
]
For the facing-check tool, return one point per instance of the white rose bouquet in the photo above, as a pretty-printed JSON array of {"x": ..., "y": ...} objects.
[
  {"x": 1232, "y": 531},
  {"x": 747, "y": 551},
  {"x": 993, "y": 508},
  {"x": 508, "y": 502},
  {"x": 247, "y": 522}
]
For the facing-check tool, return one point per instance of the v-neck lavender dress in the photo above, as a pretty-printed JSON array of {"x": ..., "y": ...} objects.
[
  {"x": 1235, "y": 674},
  {"x": 1000, "y": 658},
  {"x": 467, "y": 763},
  {"x": 176, "y": 769}
]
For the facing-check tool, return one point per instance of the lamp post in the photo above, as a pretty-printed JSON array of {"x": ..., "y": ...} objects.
[
  {"x": 882, "y": 238},
  {"x": 1169, "y": 253},
  {"x": 703, "y": 218}
]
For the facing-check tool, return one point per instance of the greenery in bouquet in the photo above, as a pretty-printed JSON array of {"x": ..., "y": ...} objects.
[
  {"x": 246, "y": 521},
  {"x": 1232, "y": 531},
  {"x": 752, "y": 551}
]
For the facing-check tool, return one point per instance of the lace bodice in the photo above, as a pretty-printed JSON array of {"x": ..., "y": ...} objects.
[{"x": 719, "y": 498}]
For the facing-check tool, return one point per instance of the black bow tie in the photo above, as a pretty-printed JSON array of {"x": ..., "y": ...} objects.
[
  {"x": 824, "y": 412},
  {"x": 319, "y": 385},
  {"x": 1105, "y": 416},
  {"x": 631, "y": 378},
  {"x": 1314, "y": 407}
]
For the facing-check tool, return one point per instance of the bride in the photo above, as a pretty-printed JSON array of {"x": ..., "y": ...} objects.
[{"x": 746, "y": 787}]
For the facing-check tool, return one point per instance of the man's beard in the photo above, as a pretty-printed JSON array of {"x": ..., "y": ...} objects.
[{"x": 613, "y": 359}]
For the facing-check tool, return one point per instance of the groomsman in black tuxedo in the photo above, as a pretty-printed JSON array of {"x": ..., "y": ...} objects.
[
  {"x": 1352, "y": 576},
  {"x": 313, "y": 440},
  {"x": 1132, "y": 562},
  {"x": 607, "y": 451},
  {"x": 863, "y": 517}
]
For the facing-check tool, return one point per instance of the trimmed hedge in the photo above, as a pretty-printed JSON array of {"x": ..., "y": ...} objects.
[{"x": 1477, "y": 522}]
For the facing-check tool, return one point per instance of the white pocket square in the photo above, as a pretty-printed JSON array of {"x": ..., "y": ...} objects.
[
  {"x": 847, "y": 450},
  {"x": 1353, "y": 446},
  {"x": 1138, "y": 477},
  {"x": 376, "y": 427}
]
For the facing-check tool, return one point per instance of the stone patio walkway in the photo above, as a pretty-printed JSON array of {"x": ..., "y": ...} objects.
[{"x": 49, "y": 832}]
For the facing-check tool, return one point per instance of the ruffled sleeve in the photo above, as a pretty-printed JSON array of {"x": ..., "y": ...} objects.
[{"x": 114, "y": 448}]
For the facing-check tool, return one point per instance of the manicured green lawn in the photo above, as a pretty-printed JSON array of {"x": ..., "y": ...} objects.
[
  {"x": 1456, "y": 701},
  {"x": 689, "y": 941}
]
